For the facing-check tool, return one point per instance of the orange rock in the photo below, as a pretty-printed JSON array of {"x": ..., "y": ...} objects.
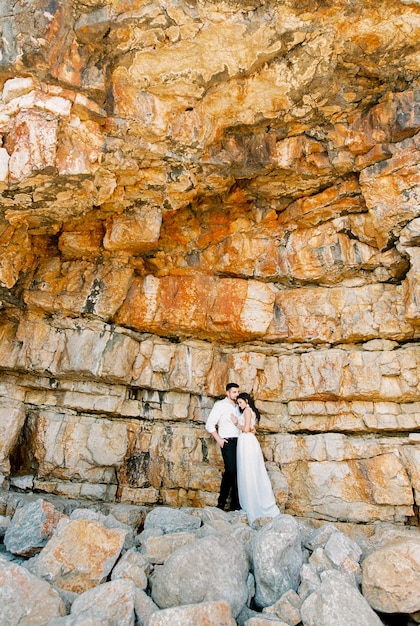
[
  {"x": 200, "y": 305},
  {"x": 80, "y": 555}
]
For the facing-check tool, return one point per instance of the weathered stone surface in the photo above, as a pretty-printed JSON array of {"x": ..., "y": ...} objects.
[
  {"x": 340, "y": 314},
  {"x": 324, "y": 594},
  {"x": 411, "y": 457},
  {"x": 260, "y": 620},
  {"x": 31, "y": 527},
  {"x": 342, "y": 551},
  {"x": 287, "y": 608},
  {"x": 171, "y": 521},
  {"x": 342, "y": 486},
  {"x": 4, "y": 524},
  {"x": 25, "y": 599},
  {"x": 350, "y": 374},
  {"x": 109, "y": 602},
  {"x": 136, "y": 233},
  {"x": 157, "y": 549},
  {"x": 276, "y": 556},
  {"x": 209, "y": 613},
  {"x": 385, "y": 189},
  {"x": 108, "y": 521},
  {"x": 390, "y": 577},
  {"x": 90, "y": 444},
  {"x": 132, "y": 566},
  {"x": 189, "y": 574},
  {"x": 15, "y": 252},
  {"x": 79, "y": 556},
  {"x": 128, "y": 514},
  {"x": 199, "y": 304},
  {"x": 411, "y": 286},
  {"x": 12, "y": 417},
  {"x": 76, "y": 286},
  {"x": 309, "y": 581},
  {"x": 195, "y": 479},
  {"x": 143, "y": 607},
  {"x": 337, "y": 603}
]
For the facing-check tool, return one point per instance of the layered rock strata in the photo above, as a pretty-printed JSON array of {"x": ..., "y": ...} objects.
[{"x": 193, "y": 193}]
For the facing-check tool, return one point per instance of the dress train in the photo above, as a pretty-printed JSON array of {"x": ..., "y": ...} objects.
[{"x": 255, "y": 492}]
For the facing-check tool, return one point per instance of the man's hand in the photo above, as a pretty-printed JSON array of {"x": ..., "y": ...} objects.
[{"x": 221, "y": 442}]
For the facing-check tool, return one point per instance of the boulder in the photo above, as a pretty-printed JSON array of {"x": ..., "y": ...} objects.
[
  {"x": 213, "y": 568},
  {"x": 132, "y": 566},
  {"x": 276, "y": 556},
  {"x": 109, "y": 521},
  {"x": 31, "y": 527},
  {"x": 144, "y": 607},
  {"x": 110, "y": 603},
  {"x": 80, "y": 555},
  {"x": 337, "y": 602},
  {"x": 287, "y": 608},
  {"x": 171, "y": 520},
  {"x": 203, "y": 614},
  {"x": 25, "y": 600},
  {"x": 157, "y": 549},
  {"x": 344, "y": 554},
  {"x": 391, "y": 577}
]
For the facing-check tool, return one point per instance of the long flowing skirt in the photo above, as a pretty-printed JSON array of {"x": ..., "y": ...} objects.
[{"x": 255, "y": 492}]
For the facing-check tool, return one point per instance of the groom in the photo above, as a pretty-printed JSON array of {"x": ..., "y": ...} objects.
[{"x": 219, "y": 424}]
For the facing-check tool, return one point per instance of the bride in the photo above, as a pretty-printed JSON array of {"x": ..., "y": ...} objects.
[{"x": 255, "y": 492}]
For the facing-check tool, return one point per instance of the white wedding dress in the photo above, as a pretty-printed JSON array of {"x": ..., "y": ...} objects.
[{"x": 255, "y": 492}]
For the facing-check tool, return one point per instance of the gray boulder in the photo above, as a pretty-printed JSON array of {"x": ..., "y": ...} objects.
[
  {"x": 336, "y": 602},
  {"x": 276, "y": 556},
  {"x": 4, "y": 525},
  {"x": 208, "y": 569},
  {"x": 309, "y": 580},
  {"x": 111, "y": 602},
  {"x": 391, "y": 577},
  {"x": 318, "y": 538},
  {"x": 144, "y": 607},
  {"x": 207, "y": 613},
  {"x": 171, "y": 520},
  {"x": 26, "y": 600},
  {"x": 31, "y": 527}
]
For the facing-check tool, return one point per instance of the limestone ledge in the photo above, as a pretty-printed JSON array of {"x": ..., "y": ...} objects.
[
  {"x": 377, "y": 370},
  {"x": 125, "y": 402},
  {"x": 224, "y": 309},
  {"x": 330, "y": 476}
]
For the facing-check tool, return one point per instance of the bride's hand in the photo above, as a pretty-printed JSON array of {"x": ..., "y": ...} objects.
[{"x": 234, "y": 419}]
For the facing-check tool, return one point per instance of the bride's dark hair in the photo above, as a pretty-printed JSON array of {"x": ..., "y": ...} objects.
[{"x": 247, "y": 398}]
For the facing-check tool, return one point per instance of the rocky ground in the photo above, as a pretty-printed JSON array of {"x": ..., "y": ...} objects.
[{"x": 69, "y": 563}]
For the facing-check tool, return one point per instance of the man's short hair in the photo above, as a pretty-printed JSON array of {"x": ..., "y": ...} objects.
[{"x": 231, "y": 386}]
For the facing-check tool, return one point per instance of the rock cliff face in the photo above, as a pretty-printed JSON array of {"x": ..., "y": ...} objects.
[{"x": 194, "y": 192}]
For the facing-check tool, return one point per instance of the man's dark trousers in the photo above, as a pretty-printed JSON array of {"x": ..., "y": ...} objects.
[{"x": 229, "y": 484}]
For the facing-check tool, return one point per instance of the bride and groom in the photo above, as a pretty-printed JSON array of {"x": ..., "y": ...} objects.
[{"x": 232, "y": 424}]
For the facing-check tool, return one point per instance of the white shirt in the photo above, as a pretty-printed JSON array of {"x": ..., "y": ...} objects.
[{"x": 220, "y": 416}]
